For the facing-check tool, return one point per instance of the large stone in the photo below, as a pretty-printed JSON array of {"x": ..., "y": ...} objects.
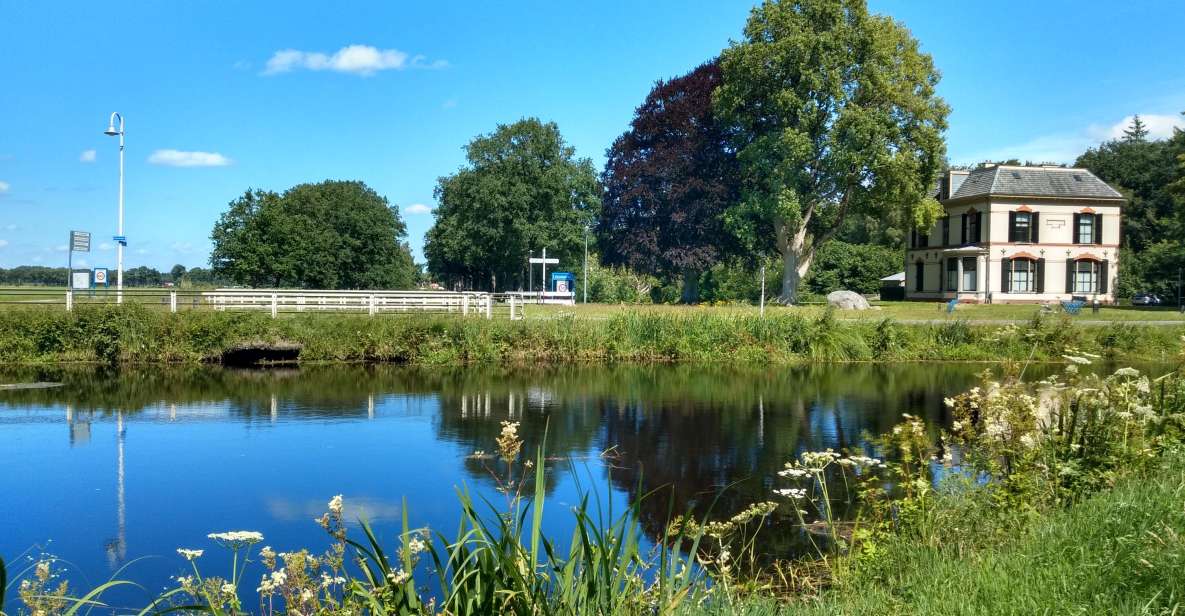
[{"x": 847, "y": 300}]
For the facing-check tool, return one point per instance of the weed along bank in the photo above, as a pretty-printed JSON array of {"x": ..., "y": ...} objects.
[{"x": 1019, "y": 234}]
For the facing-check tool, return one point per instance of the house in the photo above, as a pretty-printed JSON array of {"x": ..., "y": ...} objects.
[{"x": 1018, "y": 234}]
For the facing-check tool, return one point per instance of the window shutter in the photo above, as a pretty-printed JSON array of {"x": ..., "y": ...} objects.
[
  {"x": 946, "y": 230},
  {"x": 1040, "y": 275},
  {"x": 1034, "y": 228},
  {"x": 978, "y": 227},
  {"x": 1074, "y": 231},
  {"x": 1005, "y": 278},
  {"x": 963, "y": 220},
  {"x": 1098, "y": 228},
  {"x": 1011, "y": 226},
  {"x": 1104, "y": 274},
  {"x": 1070, "y": 263},
  {"x": 913, "y": 238}
]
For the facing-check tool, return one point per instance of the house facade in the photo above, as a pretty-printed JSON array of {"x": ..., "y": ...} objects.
[{"x": 1017, "y": 234}]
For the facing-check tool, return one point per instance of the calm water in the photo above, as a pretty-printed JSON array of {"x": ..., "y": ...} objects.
[{"x": 117, "y": 465}]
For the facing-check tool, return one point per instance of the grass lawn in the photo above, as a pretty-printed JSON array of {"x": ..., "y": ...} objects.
[{"x": 902, "y": 311}]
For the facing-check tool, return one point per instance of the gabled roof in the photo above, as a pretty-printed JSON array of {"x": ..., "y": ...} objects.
[{"x": 1049, "y": 182}]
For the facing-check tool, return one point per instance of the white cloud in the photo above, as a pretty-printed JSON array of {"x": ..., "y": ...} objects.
[
  {"x": 1064, "y": 147},
  {"x": 36, "y": 259},
  {"x": 180, "y": 158},
  {"x": 182, "y": 247},
  {"x": 141, "y": 251},
  {"x": 104, "y": 246},
  {"x": 87, "y": 156},
  {"x": 1159, "y": 126},
  {"x": 361, "y": 60},
  {"x": 4, "y": 186},
  {"x": 61, "y": 248},
  {"x": 417, "y": 208},
  {"x": 3, "y": 243}
]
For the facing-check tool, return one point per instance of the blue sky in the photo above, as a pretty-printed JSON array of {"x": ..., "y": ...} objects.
[{"x": 223, "y": 96}]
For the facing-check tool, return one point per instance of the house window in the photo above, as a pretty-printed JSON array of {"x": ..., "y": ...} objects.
[
  {"x": 972, "y": 228},
  {"x": 1022, "y": 276},
  {"x": 945, "y": 231},
  {"x": 970, "y": 275},
  {"x": 1085, "y": 230},
  {"x": 1086, "y": 279},
  {"x": 952, "y": 274},
  {"x": 1022, "y": 227},
  {"x": 919, "y": 277}
]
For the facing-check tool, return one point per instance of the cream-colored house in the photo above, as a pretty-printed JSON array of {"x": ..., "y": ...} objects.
[{"x": 1018, "y": 234}]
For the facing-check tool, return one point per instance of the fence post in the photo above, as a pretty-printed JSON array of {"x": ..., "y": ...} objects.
[
  {"x": 69, "y": 300},
  {"x": 172, "y": 301},
  {"x": 511, "y": 307},
  {"x": 274, "y": 306},
  {"x": 372, "y": 304},
  {"x": 464, "y": 305},
  {"x": 490, "y": 306}
]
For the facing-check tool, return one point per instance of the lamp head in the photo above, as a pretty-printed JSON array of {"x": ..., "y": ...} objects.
[{"x": 111, "y": 130}]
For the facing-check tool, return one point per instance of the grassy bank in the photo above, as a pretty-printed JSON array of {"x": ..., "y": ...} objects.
[{"x": 137, "y": 334}]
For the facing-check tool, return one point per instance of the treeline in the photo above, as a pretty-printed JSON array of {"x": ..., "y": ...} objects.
[
  {"x": 135, "y": 277},
  {"x": 1151, "y": 174},
  {"x": 761, "y": 158}
]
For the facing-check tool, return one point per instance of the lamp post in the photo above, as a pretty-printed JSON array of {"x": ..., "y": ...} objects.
[
  {"x": 120, "y": 240},
  {"x": 586, "y": 263}
]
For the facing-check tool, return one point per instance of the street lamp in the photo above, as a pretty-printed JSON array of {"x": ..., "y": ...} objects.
[
  {"x": 120, "y": 240},
  {"x": 586, "y": 226}
]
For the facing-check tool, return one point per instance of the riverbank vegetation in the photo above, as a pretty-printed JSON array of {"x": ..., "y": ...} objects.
[
  {"x": 1062, "y": 495},
  {"x": 135, "y": 334}
]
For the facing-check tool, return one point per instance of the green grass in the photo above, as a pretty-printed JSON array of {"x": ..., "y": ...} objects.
[
  {"x": 894, "y": 310},
  {"x": 138, "y": 334},
  {"x": 1120, "y": 551}
]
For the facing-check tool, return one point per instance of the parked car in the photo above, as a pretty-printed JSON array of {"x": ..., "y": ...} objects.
[{"x": 1146, "y": 299}]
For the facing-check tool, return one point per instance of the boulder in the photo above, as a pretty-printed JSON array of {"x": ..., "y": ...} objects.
[{"x": 847, "y": 300}]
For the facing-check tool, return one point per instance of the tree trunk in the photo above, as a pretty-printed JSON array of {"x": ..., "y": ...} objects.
[
  {"x": 796, "y": 260},
  {"x": 690, "y": 287}
]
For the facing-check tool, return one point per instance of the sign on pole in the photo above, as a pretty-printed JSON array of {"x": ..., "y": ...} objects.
[
  {"x": 80, "y": 241},
  {"x": 80, "y": 280},
  {"x": 101, "y": 276}
]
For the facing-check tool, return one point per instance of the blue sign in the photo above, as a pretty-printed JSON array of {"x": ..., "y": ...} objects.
[{"x": 122, "y": 239}]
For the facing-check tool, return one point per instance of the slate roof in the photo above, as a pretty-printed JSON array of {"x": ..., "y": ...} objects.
[{"x": 1055, "y": 182}]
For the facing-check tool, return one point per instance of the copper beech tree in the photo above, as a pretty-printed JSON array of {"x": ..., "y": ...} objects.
[{"x": 667, "y": 183}]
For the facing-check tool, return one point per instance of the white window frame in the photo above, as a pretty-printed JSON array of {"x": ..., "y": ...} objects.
[{"x": 1029, "y": 284}]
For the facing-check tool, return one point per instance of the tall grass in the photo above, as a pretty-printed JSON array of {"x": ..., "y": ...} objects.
[{"x": 132, "y": 334}]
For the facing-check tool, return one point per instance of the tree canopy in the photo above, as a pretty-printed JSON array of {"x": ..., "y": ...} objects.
[
  {"x": 522, "y": 190},
  {"x": 833, "y": 112},
  {"x": 330, "y": 235},
  {"x": 1151, "y": 174},
  {"x": 667, "y": 183}
]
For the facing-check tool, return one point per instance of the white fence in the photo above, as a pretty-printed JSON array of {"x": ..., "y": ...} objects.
[
  {"x": 562, "y": 298},
  {"x": 370, "y": 302}
]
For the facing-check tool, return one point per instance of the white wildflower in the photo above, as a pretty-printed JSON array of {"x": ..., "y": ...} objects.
[
  {"x": 335, "y": 505},
  {"x": 190, "y": 554},
  {"x": 398, "y": 576},
  {"x": 228, "y": 588},
  {"x": 236, "y": 539}
]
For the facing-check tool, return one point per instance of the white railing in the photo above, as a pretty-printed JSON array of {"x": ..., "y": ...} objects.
[
  {"x": 369, "y": 302},
  {"x": 563, "y": 298}
]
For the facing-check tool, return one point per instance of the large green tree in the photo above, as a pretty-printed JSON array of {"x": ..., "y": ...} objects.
[
  {"x": 834, "y": 113},
  {"x": 522, "y": 190},
  {"x": 330, "y": 235},
  {"x": 1151, "y": 174}
]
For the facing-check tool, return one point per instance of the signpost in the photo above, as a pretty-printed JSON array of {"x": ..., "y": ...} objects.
[
  {"x": 101, "y": 276},
  {"x": 543, "y": 261},
  {"x": 80, "y": 241}
]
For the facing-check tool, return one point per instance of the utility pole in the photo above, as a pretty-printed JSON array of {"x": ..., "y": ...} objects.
[
  {"x": 763, "y": 291},
  {"x": 586, "y": 264},
  {"x": 530, "y": 272},
  {"x": 120, "y": 239}
]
